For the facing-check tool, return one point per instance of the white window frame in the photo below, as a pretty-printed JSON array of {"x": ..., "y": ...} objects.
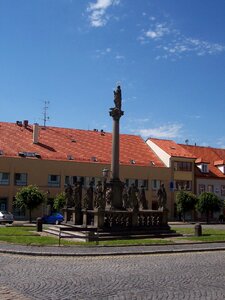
[
  {"x": 4, "y": 178},
  {"x": 53, "y": 183},
  {"x": 22, "y": 181},
  {"x": 156, "y": 183}
]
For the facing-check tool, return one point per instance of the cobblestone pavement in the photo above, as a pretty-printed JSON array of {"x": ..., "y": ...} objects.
[{"x": 197, "y": 276}]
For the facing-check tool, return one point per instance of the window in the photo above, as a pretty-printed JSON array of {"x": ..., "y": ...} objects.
[
  {"x": 205, "y": 168},
  {"x": 20, "y": 179},
  {"x": 156, "y": 184},
  {"x": 210, "y": 188},
  {"x": 3, "y": 204},
  {"x": 183, "y": 185},
  {"x": 70, "y": 180},
  {"x": 4, "y": 178},
  {"x": 54, "y": 180},
  {"x": 73, "y": 179},
  {"x": 143, "y": 183},
  {"x": 137, "y": 182},
  {"x": 182, "y": 166},
  {"x": 222, "y": 190},
  {"x": 201, "y": 188}
]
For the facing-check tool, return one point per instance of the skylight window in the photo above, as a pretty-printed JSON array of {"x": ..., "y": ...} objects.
[{"x": 29, "y": 154}]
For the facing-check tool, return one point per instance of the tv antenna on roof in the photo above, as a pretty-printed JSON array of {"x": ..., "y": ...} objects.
[{"x": 45, "y": 112}]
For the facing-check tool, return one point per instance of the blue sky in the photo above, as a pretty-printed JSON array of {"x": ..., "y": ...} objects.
[{"x": 168, "y": 57}]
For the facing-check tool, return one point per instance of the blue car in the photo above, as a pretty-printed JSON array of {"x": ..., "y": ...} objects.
[{"x": 54, "y": 218}]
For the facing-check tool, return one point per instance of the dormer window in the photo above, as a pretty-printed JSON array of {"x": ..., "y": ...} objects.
[
  {"x": 220, "y": 164},
  {"x": 202, "y": 165},
  {"x": 205, "y": 168}
]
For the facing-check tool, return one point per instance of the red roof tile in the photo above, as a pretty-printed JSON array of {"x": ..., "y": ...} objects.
[
  {"x": 219, "y": 162},
  {"x": 172, "y": 148},
  {"x": 57, "y": 143},
  {"x": 210, "y": 155}
]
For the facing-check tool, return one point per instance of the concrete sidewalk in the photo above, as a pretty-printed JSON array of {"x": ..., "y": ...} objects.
[{"x": 80, "y": 251}]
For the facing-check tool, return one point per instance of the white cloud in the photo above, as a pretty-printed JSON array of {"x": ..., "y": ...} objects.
[
  {"x": 97, "y": 10},
  {"x": 171, "y": 43},
  {"x": 166, "y": 131},
  {"x": 158, "y": 31},
  {"x": 119, "y": 56},
  {"x": 103, "y": 52}
]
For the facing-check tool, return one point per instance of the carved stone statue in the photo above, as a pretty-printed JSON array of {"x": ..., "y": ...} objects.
[
  {"x": 77, "y": 195},
  {"x": 133, "y": 197},
  {"x": 99, "y": 197},
  {"x": 162, "y": 197},
  {"x": 143, "y": 200},
  {"x": 118, "y": 98},
  {"x": 125, "y": 197},
  {"x": 88, "y": 198},
  {"x": 108, "y": 197},
  {"x": 69, "y": 196}
]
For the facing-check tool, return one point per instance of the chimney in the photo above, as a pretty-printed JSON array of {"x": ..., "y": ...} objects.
[
  {"x": 35, "y": 133},
  {"x": 25, "y": 123}
]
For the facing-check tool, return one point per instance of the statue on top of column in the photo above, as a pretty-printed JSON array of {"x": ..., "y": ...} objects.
[{"x": 118, "y": 98}]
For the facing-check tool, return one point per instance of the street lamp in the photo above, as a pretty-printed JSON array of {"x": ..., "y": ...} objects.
[{"x": 105, "y": 173}]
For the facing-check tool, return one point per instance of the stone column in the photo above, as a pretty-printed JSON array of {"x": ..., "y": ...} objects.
[
  {"x": 115, "y": 114},
  {"x": 115, "y": 182}
]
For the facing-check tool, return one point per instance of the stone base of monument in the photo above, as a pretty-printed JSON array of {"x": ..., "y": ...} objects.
[
  {"x": 112, "y": 220},
  {"x": 73, "y": 216},
  {"x": 103, "y": 224}
]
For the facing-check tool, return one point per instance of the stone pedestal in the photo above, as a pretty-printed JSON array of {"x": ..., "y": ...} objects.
[
  {"x": 99, "y": 218},
  {"x": 117, "y": 190},
  {"x": 77, "y": 217},
  {"x": 67, "y": 214}
]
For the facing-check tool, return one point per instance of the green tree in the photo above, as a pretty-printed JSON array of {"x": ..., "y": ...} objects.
[
  {"x": 185, "y": 201},
  {"x": 208, "y": 202},
  {"x": 29, "y": 197},
  {"x": 59, "y": 201}
]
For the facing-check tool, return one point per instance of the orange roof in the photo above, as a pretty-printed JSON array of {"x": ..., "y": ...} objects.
[
  {"x": 201, "y": 160},
  {"x": 219, "y": 162},
  {"x": 209, "y": 155},
  {"x": 81, "y": 145},
  {"x": 172, "y": 148}
]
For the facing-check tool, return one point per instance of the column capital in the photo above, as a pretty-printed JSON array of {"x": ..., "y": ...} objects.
[{"x": 116, "y": 113}]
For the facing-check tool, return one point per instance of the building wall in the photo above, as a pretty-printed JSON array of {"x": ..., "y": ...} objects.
[
  {"x": 160, "y": 153},
  {"x": 181, "y": 176},
  {"x": 217, "y": 184},
  {"x": 38, "y": 170}
]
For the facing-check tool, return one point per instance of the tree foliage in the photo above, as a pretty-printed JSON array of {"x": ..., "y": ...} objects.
[
  {"x": 29, "y": 197},
  {"x": 208, "y": 202},
  {"x": 185, "y": 202},
  {"x": 59, "y": 201}
]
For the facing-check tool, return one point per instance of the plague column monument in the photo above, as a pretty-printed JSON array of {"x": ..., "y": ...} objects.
[{"x": 117, "y": 187}]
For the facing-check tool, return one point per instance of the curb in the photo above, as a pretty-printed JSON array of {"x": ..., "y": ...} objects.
[{"x": 112, "y": 253}]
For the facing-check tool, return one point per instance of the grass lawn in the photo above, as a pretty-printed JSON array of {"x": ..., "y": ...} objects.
[
  {"x": 26, "y": 235},
  {"x": 208, "y": 235},
  {"x": 29, "y": 236}
]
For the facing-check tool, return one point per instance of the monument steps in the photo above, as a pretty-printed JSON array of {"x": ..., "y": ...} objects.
[{"x": 92, "y": 234}]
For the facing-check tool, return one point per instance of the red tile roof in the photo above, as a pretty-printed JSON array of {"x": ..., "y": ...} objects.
[
  {"x": 219, "y": 162},
  {"x": 57, "y": 143},
  {"x": 172, "y": 148},
  {"x": 210, "y": 155}
]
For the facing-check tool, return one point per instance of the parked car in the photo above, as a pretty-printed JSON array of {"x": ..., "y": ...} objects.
[
  {"x": 54, "y": 218},
  {"x": 6, "y": 217}
]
